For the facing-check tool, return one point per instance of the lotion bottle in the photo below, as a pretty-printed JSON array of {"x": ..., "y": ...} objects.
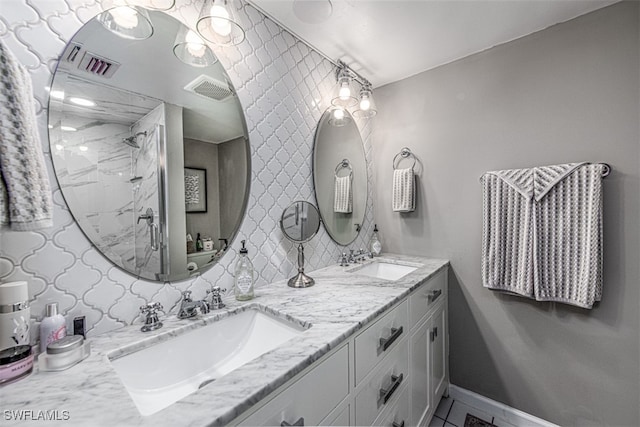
[
  {"x": 243, "y": 278},
  {"x": 52, "y": 328}
]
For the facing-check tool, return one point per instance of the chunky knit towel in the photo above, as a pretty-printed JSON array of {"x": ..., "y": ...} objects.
[
  {"x": 542, "y": 233},
  {"x": 25, "y": 195},
  {"x": 403, "y": 190},
  {"x": 343, "y": 198}
]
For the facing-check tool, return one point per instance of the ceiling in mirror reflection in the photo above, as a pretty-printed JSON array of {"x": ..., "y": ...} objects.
[{"x": 161, "y": 75}]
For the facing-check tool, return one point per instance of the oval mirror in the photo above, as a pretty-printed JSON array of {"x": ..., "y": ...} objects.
[
  {"x": 299, "y": 223},
  {"x": 149, "y": 145},
  {"x": 340, "y": 175}
]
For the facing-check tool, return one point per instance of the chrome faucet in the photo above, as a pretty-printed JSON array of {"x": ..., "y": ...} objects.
[
  {"x": 151, "y": 321},
  {"x": 343, "y": 260},
  {"x": 216, "y": 297},
  {"x": 361, "y": 256},
  {"x": 190, "y": 308},
  {"x": 352, "y": 258}
]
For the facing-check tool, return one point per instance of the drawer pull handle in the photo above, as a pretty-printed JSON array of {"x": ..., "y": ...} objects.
[
  {"x": 300, "y": 422},
  {"x": 386, "y": 342},
  {"x": 385, "y": 394},
  {"x": 434, "y": 295},
  {"x": 395, "y": 424}
]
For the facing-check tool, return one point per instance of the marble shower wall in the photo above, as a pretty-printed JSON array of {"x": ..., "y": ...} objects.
[{"x": 283, "y": 86}]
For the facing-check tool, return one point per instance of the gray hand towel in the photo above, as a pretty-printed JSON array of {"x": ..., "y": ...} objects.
[{"x": 25, "y": 195}]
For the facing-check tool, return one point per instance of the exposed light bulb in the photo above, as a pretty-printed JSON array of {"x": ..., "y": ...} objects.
[
  {"x": 338, "y": 114},
  {"x": 125, "y": 16},
  {"x": 365, "y": 104},
  {"x": 344, "y": 93},
  {"x": 220, "y": 21}
]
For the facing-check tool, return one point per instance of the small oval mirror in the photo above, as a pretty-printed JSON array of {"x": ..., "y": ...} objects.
[
  {"x": 340, "y": 176},
  {"x": 299, "y": 223}
]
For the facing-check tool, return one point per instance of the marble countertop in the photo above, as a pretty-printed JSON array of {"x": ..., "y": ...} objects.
[{"x": 339, "y": 304}]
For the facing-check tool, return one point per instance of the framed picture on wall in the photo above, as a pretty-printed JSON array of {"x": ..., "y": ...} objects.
[{"x": 195, "y": 190}]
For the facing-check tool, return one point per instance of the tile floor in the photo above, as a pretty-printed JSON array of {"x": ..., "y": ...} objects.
[{"x": 452, "y": 413}]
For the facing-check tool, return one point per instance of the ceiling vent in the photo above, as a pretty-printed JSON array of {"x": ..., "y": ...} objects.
[
  {"x": 209, "y": 88},
  {"x": 98, "y": 66}
]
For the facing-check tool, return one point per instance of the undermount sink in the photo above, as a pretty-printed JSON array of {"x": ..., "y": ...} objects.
[
  {"x": 385, "y": 270},
  {"x": 163, "y": 373}
]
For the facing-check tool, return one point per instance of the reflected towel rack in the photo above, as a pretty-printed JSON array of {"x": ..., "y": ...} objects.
[
  {"x": 404, "y": 153},
  {"x": 606, "y": 170},
  {"x": 344, "y": 164}
]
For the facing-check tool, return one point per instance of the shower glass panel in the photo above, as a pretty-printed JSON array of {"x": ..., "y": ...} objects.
[{"x": 145, "y": 168}]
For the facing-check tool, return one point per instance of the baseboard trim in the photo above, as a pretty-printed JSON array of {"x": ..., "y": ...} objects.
[{"x": 511, "y": 415}]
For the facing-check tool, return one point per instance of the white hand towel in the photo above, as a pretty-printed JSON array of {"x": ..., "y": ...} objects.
[
  {"x": 404, "y": 190},
  {"x": 25, "y": 194},
  {"x": 343, "y": 199}
]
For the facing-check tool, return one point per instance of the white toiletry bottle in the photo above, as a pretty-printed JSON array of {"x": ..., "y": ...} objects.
[
  {"x": 243, "y": 286},
  {"x": 375, "y": 246},
  {"x": 53, "y": 327}
]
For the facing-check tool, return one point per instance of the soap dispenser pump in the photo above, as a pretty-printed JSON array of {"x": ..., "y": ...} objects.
[
  {"x": 375, "y": 246},
  {"x": 243, "y": 283}
]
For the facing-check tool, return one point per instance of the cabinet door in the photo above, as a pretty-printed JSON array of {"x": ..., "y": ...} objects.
[
  {"x": 438, "y": 337},
  {"x": 420, "y": 386}
]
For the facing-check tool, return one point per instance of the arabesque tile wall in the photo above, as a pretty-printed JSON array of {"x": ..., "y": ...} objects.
[{"x": 283, "y": 86}]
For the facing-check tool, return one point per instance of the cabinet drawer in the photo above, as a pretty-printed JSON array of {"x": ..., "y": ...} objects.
[
  {"x": 383, "y": 385},
  {"x": 427, "y": 297},
  {"x": 379, "y": 339},
  {"x": 398, "y": 414},
  {"x": 311, "y": 398}
]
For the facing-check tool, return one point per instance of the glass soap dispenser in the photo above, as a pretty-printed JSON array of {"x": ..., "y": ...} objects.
[
  {"x": 243, "y": 283},
  {"x": 375, "y": 246}
]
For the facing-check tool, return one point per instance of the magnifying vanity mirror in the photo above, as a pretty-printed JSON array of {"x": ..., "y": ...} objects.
[
  {"x": 299, "y": 223},
  {"x": 150, "y": 147},
  {"x": 340, "y": 175}
]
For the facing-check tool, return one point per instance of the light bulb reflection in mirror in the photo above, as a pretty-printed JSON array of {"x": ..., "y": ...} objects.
[
  {"x": 125, "y": 17},
  {"x": 338, "y": 114},
  {"x": 195, "y": 45}
]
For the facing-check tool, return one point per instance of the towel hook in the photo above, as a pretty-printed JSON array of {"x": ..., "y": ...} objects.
[{"x": 404, "y": 153}]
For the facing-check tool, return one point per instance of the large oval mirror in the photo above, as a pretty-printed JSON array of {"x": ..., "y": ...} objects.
[
  {"x": 340, "y": 175},
  {"x": 151, "y": 152}
]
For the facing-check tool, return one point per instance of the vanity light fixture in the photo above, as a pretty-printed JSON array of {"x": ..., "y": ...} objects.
[
  {"x": 129, "y": 22},
  {"x": 218, "y": 23},
  {"x": 343, "y": 92},
  {"x": 192, "y": 50},
  {"x": 367, "y": 107}
]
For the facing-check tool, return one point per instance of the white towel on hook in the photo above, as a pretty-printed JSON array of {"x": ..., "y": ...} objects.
[
  {"x": 25, "y": 194},
  {"x": 343, "y": 199},
  {"x": 404, "y": 190}
]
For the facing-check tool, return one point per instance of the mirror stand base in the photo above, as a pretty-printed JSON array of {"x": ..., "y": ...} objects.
[{"x": 301, "y": 280}]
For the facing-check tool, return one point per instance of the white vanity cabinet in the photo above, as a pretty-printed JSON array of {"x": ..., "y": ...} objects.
[
  {"x": 428, "y": 349},
  {"x": 392, "y": 373}
]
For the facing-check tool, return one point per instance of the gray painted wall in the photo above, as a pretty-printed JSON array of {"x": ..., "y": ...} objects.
[
  {"x": 568, "y": 93},
  {"x": 204, "y": 155}
]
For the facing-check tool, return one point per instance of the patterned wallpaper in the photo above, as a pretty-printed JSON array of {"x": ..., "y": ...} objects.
[{"x": 283, "y": 86}]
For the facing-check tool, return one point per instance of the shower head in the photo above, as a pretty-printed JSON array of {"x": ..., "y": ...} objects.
[{"x": 132, "y": 140}]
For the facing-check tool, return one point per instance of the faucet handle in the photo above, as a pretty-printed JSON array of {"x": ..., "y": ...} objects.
[
  {"x": 186, "y": 296},
  {"x": 216, "y": 298},
  {"x": 150, "y": 308}
]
